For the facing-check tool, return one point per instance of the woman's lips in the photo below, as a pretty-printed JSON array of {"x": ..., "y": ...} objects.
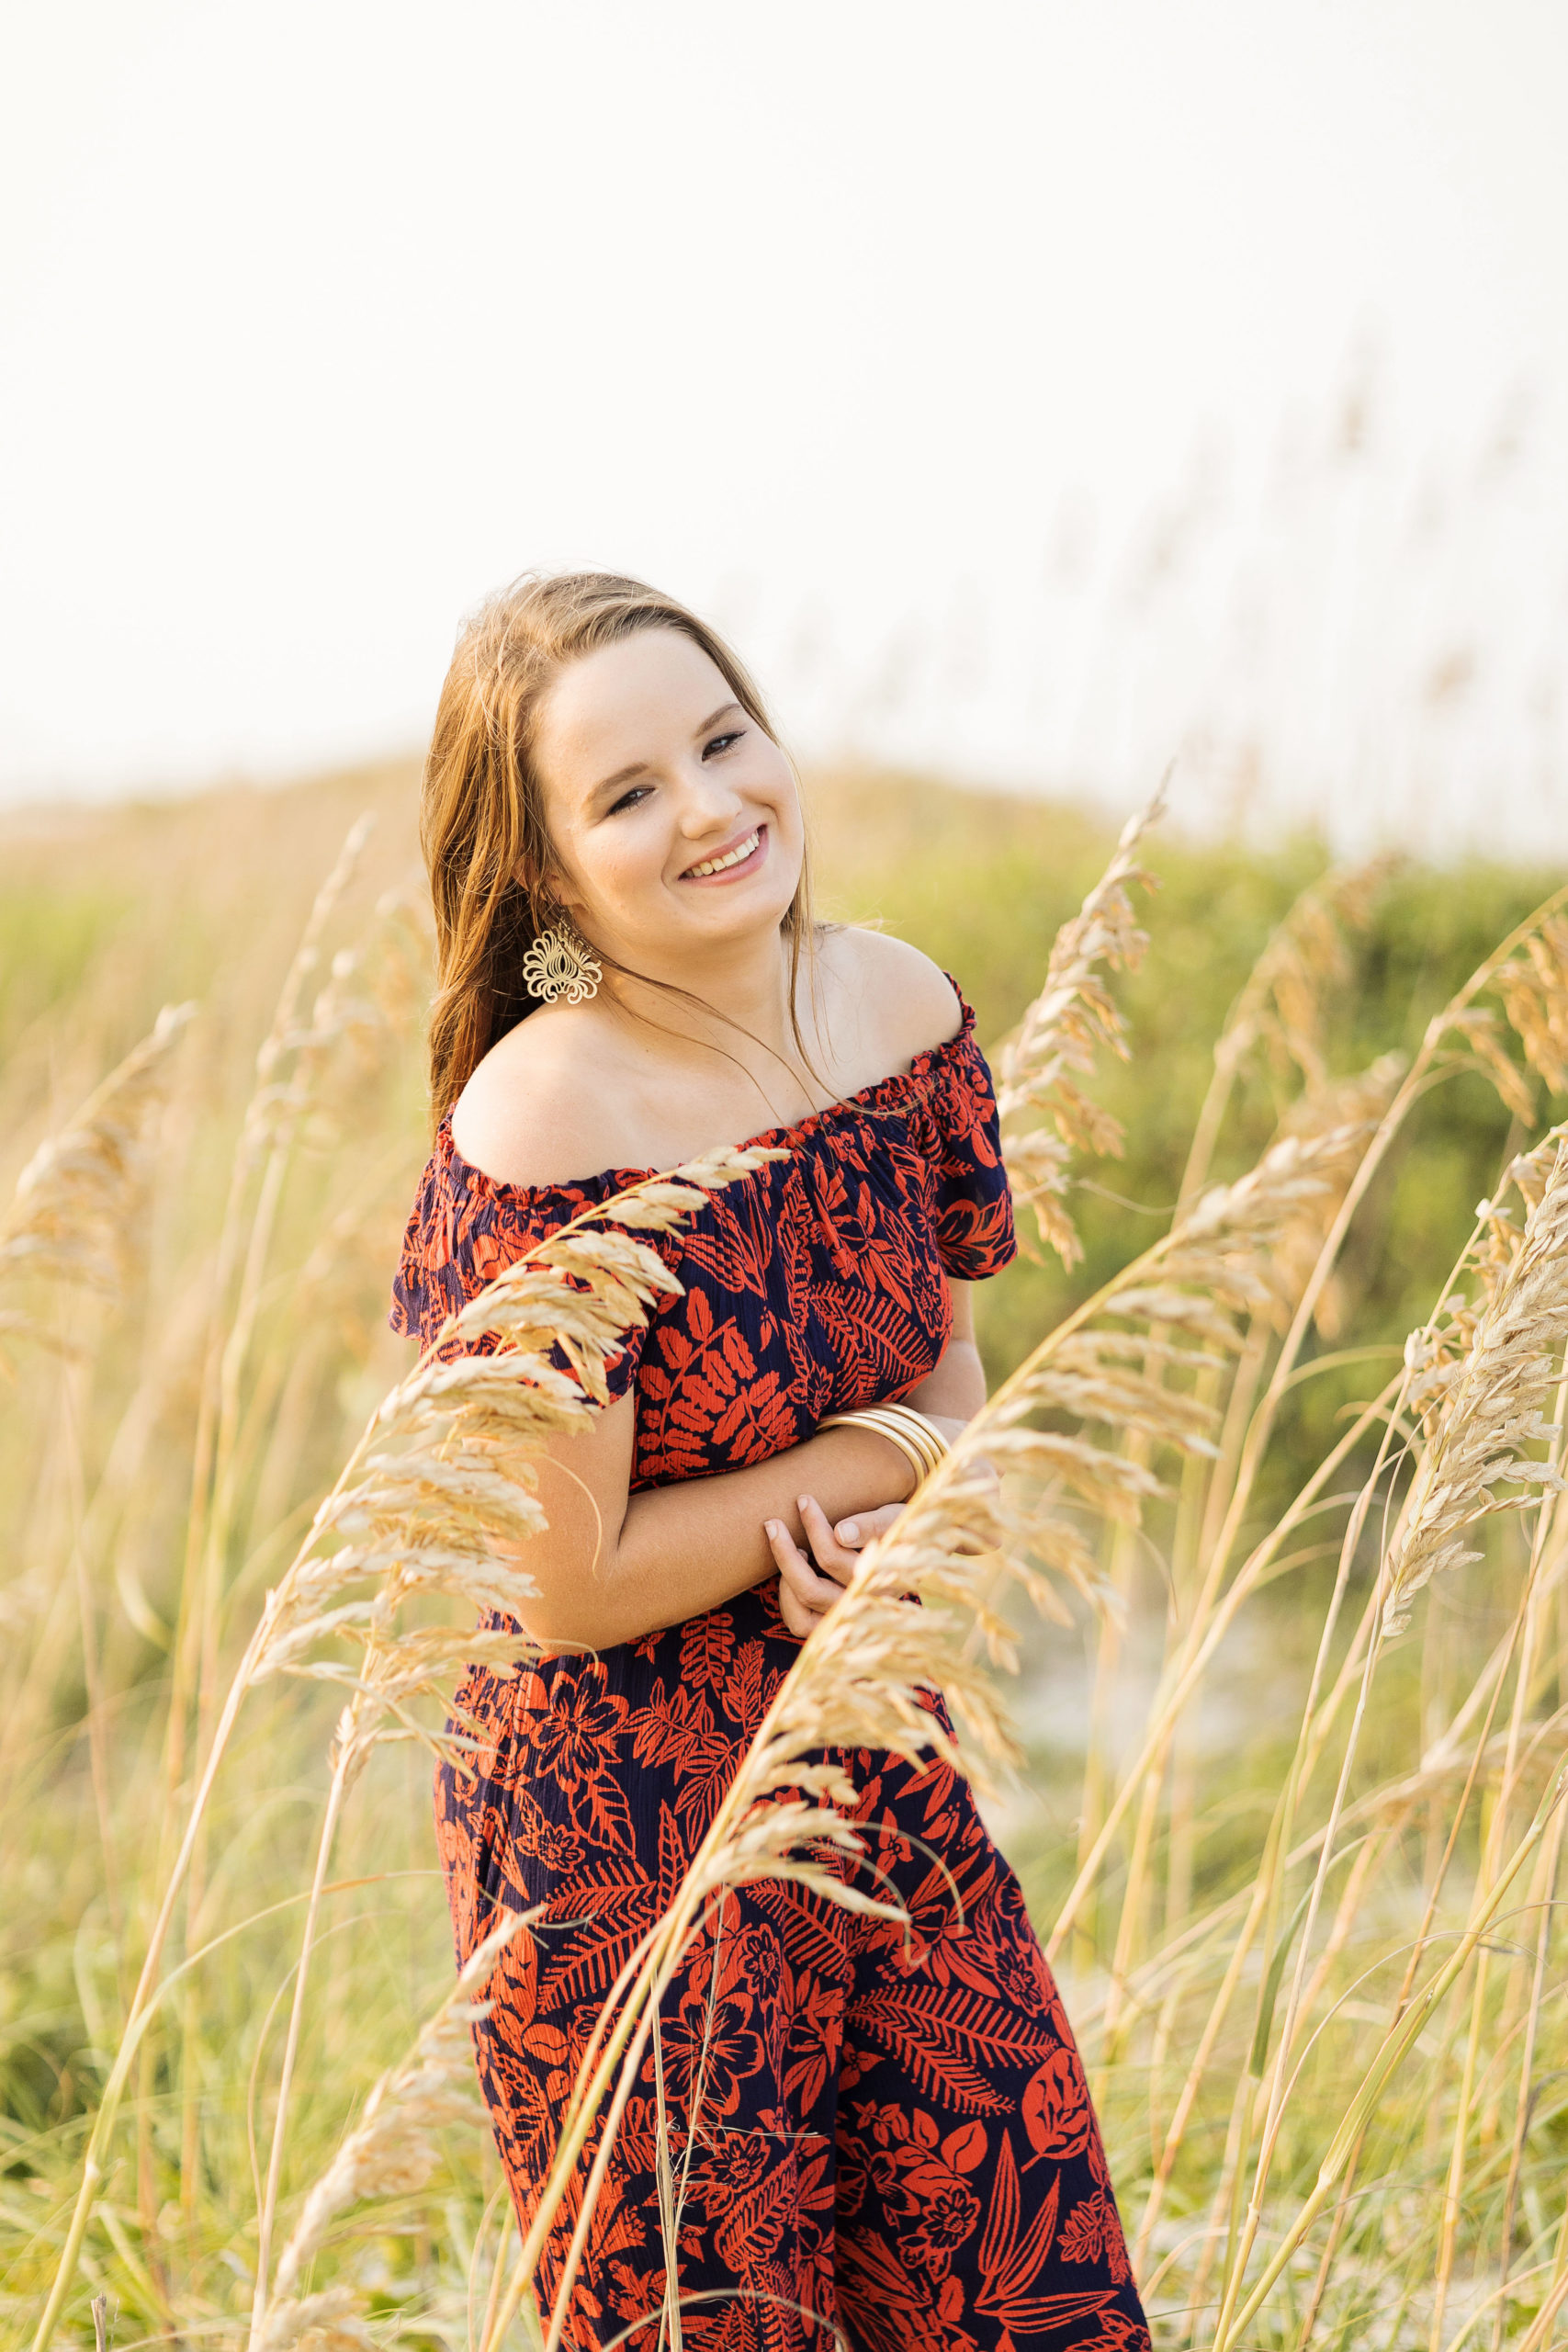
[{"x": 756, "y": 834}]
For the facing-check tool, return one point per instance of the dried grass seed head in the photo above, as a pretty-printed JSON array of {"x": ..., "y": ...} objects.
[
  {"x": 1486, "y": 1412},
  {"x": 69, "y": 1221},
  {"x": 1059, "y": 1038}
]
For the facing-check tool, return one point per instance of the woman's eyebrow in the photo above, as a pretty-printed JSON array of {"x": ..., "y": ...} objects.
[
  {"x": 625, "y": 775},
  {"x": 715, "y": 716},
  {"x": 622, "y": 775}
]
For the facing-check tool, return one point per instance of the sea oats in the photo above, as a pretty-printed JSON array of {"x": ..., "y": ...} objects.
[
  {"x": 1339, "y": 1116},
  {"x": 1063, "y": 1030},
  {"x": 394, "y": 2148},
  {"x": 327, "y": 2321},
  {"x": 1484, "y": 1413},
  {"x": 1193, "y": 1897},
  {"x": 1279, "y": 1013},
  {"x": 993, "y": 1511},
  {"x": 438, "y": 1486},
  {"x": 451, "y": 1477},
  {"x": 1484, "y": 1039},
  {"x": 68, "y": 1222},
  {"x": 1533, "y": 985}
]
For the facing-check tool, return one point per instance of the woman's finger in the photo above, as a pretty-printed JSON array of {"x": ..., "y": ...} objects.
[
  {"x": 797, "y": 1616},
  {"x": 796, "y": 1574},
  {"x": 855, "y": 1533},
  {"x": 817, "y": 1591},
  {"x": 835, "y": 1559}
]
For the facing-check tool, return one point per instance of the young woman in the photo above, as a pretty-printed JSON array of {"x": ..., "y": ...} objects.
[{"x": 880, "y": 2133}]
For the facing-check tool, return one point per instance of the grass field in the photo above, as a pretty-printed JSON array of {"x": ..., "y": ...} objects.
[{"x": 1296, "y": 1864}]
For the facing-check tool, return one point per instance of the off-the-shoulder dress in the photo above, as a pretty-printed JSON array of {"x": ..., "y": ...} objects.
[{"x": 892, "y": 2130}]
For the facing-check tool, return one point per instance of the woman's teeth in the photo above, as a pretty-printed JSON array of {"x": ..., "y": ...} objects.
[{"x": 732, "y": 857}]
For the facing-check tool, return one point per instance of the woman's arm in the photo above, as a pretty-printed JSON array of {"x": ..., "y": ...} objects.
[
  {"x": 952, "y": 1394},
  {"x": 612, "y": 1566},
  {"x": 957, "y": 1389}
]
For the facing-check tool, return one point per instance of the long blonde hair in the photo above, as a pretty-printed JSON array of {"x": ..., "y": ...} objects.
[{"x": 482, "y": 820}]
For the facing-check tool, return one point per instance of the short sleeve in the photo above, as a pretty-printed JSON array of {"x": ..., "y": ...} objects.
[
  {"x": 973, "y": 1199},
  {"x": 465, "y": 1229}
]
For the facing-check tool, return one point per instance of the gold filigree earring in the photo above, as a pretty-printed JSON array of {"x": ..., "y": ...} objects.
[{"x": 561, "y": 965}]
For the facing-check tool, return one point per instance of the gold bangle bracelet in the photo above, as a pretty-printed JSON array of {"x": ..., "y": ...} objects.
[
  {"x": 923, "y": 1432},
  {"x": 912, "y": 1429},
  {"x": 933, "y": 1437},
  {"x": 893, "y": 1437},
  {"x": 916, "y": 1439}
]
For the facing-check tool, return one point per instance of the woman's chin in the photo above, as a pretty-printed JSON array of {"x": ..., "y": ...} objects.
[{"x": 708, "y": 918}]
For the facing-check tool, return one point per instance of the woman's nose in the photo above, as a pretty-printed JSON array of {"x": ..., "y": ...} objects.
[{"x": 708, "y": 799}]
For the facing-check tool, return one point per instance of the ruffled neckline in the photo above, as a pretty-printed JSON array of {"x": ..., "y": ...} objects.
[{"x": 880, "y": 1094}]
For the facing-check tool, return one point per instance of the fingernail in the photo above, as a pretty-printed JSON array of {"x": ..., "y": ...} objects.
[
  {"x": 848, "y": 1531},
  {"x": 801, "y": 1501},
  {"x": 770, "y": 1527}
]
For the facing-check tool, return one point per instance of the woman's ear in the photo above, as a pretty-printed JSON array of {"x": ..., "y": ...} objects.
[{"x": 543, "y": 891}]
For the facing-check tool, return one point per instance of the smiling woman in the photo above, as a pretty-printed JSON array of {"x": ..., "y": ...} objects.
[
  {"x": 503, "y": 866},
  {"x": 854, "y": 2110}
]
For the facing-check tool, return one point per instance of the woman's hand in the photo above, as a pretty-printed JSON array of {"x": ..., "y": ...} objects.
[{"x": 809, "y": 1586}]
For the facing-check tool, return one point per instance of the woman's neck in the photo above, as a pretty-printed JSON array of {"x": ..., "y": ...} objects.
[{"x": 743, "y": 992}]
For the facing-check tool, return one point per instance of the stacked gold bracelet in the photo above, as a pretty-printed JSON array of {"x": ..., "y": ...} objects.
[{"x": 919, "y": 1441}]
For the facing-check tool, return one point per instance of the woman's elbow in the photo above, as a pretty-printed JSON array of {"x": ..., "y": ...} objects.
[{"x": 580, "y": 1604}]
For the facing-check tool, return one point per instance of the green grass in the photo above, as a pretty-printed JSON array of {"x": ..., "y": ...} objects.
[{"x": 106, "y": 917}]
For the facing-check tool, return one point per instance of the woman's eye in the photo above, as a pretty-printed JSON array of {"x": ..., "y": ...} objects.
[
  {"x": 629, "y": 799},
  {"x": 723, "y": 742}
]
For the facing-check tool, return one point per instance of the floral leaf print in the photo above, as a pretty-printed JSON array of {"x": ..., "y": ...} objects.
[
  {"x": 733, "y": 2328},
  {"x": 882, "y": 1349},
  {"x": 707, "y": 1645},
  {"x": 965, "y": 2148},
  {"x": 812, "y": 1938},
  {"x": 1092, "y": 2233},
  {"x": 533, "y": 1834},
  {"x": 1013, "y": 2255},
  {"x": 758, "y": 1420},
  {"x": 572, "y": 1724},
  {"x": 758, "y": 2222},
  {"x": 613, "y": 1909},
  {"x": 948, "y": 1913},
  {"x": 677, "y": 1731},
  {"x": 892, "y": 2307},
  {"x": 707, "y": 2045},
  {"x": 971, "y": 1234},
  {"x": 745, "y": 1697},
  {"x": 609, "y": 1816},
  {"x": 672, "y": 1856},
  {"x": 758, "y": 1963},
  {"x": 812, "y": 2044},
  {"x": 732, "y": 2164},
  {"x": 709, "y": 1774},
  {"x": 931, "y": 2204},
  {"x": 1118, "y": 2332},
  {"x": 1057, "y": 2111},
  {"x": 671, "y": 1728},
  {"x": 951, "y": 2043},
  {"x": 500, "y": 1870},
  {"x": 737, "y": 1254}
]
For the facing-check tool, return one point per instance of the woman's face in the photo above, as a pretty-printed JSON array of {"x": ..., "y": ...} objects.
[{"x": 675, "y": 819}]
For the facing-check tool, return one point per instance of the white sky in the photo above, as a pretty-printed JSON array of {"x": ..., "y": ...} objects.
[{"x": 903, "y": 337}]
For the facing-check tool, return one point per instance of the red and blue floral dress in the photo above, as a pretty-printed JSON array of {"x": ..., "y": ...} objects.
[{"x": 888, "y": 2130}]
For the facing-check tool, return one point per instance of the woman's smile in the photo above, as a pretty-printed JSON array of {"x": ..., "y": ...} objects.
[{"x": 742, "y": 854}]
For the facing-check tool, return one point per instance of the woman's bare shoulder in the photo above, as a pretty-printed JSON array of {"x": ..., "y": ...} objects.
[
  {"x": 906, "y": 999},
  {"x": 534, "y": 1112}
]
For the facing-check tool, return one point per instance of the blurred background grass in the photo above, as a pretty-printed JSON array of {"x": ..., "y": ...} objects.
[{"x": 107, "y": 915}]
